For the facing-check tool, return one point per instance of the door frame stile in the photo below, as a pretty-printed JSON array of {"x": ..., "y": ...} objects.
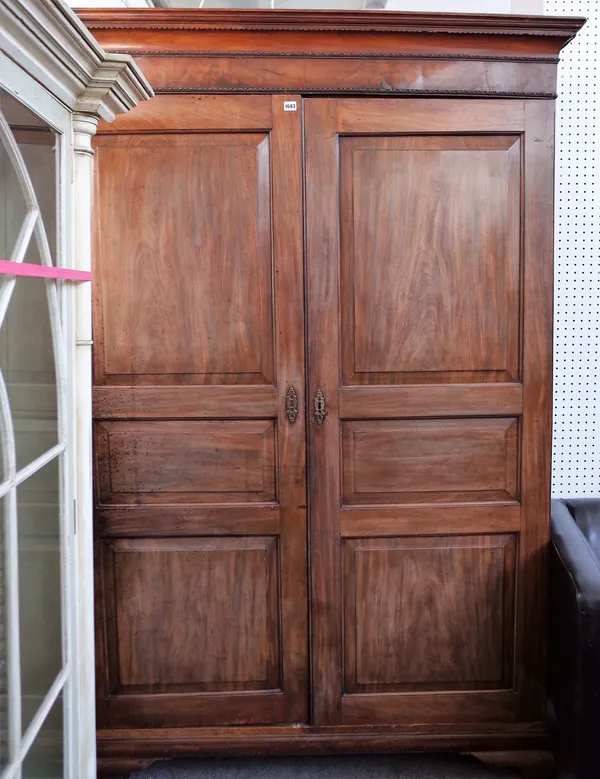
[
  {"x": 322, "y": 290},
  {"x": 536, "y": 421},
  {"x": 286, "y": 160}
]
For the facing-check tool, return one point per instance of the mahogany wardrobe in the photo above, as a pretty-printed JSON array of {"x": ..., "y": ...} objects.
[{"x": 322, "y": 384}]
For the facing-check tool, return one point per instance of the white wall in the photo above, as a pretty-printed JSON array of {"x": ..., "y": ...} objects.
[
  {"x": 469, "y": 6},
  {"x": 576, "y": 460}
]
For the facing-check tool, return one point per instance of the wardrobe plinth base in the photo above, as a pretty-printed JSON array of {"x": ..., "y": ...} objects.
[
  {"x": 525, "y": 746},
  {"x": 533, "y": 764}
]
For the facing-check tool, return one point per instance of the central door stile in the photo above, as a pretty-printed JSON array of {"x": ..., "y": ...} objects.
[
  {"x": 322, "y": 290},
  {"x": 288, "y": 240}
]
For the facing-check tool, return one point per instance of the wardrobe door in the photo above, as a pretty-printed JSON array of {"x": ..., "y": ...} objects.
[
  {"x": 429, "y": 290},
  {"x": 199, "y": 421}
]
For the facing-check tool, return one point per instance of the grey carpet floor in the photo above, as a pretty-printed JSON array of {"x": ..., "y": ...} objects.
[{"x": 346, "y": 767}]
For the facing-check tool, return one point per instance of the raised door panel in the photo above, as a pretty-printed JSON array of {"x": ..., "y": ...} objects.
[
  {"x": 223, "y": 461},
  {"x": 430, "y": 255},
  {"x": 215, "y": 597},
  {"x": 428, "y": 613},
  {"x": 429, "y": 461},
  {"x": 200, "y": 514},
  {"x": 186, "y": 296},
  {"x": 428, "y": 280}
]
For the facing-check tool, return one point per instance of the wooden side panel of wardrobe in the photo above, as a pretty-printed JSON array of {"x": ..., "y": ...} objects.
[
  {"x": 200, "y": 476},
  {"x": 427, "y": 509}
]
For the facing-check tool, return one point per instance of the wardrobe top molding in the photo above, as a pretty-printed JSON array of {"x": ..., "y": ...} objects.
[
  {"x": 322, "y": 21},
  {"x": 216, "y": 51}
]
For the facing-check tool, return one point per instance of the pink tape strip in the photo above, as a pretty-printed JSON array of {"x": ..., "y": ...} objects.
[{"x": 42, "y": 271}]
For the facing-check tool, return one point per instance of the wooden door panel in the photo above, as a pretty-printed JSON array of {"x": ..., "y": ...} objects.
[
  {"x": 429, "y": 461},
  {"x": 200, "y": 515},
  {"x": 424, "y": 337},
  {"x": 216, "y": 597},
  {"x": 428, "y": 613},
  {"x": 189, "y": 293},
  {"x": 429, "y": 262},
  {"x": 186, "y": 462}
]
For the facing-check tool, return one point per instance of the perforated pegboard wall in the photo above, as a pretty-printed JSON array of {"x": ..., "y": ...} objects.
[{"x": 576, "y": 451}]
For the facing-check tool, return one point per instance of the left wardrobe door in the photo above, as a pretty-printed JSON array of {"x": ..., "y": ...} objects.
[{"x": 201, "y": 595}]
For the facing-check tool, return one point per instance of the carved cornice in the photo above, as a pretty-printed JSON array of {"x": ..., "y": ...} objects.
[
  {"x": 251, "y": 39},
  {"x": 339, "y": 28},
  {"x": 327, "y": 21},
  {"x": 114, "y": 88},
  {"x": 383, "y": 55},
  {"x": 383, "y": 90},
  {"x": 46, "y": 39}
]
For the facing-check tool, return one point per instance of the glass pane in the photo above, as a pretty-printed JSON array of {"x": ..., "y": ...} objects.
[
  {"x": 38, "y": 150},
  {"x": 12, "y": 202},
  {"x": 40, "y": 621},
  {"x": 37, "y": 143},
  {"x": 45, "y": 759},
  {"x": 27, "y": 364}
]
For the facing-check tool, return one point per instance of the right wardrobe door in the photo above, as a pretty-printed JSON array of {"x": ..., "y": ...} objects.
[{"x": 429, "y": 288}]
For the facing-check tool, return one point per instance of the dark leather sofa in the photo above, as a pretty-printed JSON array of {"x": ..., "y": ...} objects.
[{"x": 574, "y": 661}]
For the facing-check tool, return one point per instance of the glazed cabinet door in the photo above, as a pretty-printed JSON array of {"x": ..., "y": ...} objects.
[
  {"x": 429, "y": 290},
  {"x": 201, "y": 561}
]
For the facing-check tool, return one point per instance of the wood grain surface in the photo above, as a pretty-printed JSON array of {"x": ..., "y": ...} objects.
[
  {"x": 200, "y": 478},
  {"x": 403, "y": 300}
]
